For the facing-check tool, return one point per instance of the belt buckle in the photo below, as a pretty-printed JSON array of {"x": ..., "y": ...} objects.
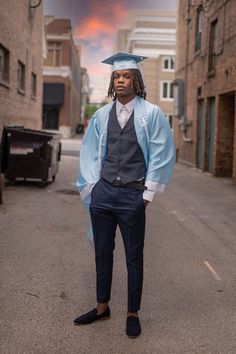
[{"x": 118, "y": 182}]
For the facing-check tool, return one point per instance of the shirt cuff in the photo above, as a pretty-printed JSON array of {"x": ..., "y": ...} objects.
[
  {"x": 152, "y": 189},
  {"x": 148, "y": 195}
]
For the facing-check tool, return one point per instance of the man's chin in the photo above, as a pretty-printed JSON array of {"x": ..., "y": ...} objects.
[{"x": 121, "y": 93}]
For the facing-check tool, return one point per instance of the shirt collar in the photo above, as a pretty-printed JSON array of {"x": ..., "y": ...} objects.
[{"x": 129, "y": 106}]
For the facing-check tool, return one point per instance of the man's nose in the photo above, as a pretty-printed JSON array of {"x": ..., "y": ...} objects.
[{"x": 121, "y": 79}]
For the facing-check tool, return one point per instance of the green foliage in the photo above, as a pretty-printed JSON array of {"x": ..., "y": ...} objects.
[{"x": 90, "y": 110}]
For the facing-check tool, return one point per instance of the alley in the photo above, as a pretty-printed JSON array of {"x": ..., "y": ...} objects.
[{"x": 47, "y": 275}]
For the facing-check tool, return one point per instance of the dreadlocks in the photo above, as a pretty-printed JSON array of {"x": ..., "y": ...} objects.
[{"x": 137, "y": 79}]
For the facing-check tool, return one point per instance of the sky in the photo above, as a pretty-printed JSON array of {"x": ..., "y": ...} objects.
[{"x": 95, "y": 24}]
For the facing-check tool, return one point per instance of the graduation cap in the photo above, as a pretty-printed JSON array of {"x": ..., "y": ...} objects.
[{"x": 123, "y": 61}]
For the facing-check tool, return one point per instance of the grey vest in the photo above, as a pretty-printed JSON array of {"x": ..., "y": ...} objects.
[{"x": 124, "y": 157}]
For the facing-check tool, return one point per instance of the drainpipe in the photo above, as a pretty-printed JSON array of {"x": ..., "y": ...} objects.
[
  {"x": 185, "y": 124},
  {"x": 32, "y": 9},
  {"x": 35, "y": 6}
]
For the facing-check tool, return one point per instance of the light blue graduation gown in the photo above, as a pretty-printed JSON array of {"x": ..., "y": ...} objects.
[{"x": 154, "y": 137}]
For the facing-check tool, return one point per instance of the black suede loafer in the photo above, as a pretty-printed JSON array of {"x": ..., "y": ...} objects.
[
  {"x": 92, "y": 316},
  {"x": 133, "y": 327}
]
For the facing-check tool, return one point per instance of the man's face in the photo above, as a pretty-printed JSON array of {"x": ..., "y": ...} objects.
[{"x": 123, "y": 84}]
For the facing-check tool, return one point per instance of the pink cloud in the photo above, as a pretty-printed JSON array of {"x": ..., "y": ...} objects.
[
  {"x": 98, "y": 70},
  {"x": 113, "y": 13},
  {"x": 102, "y": 20},
  {"x": 93, "y": 27}
]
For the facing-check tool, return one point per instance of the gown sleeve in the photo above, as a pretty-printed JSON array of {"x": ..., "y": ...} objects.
[
  {"x": 88, "y": 170},
  {"x": 161, "y": 157}
]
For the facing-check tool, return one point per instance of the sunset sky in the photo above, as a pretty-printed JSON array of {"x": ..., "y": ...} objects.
[{"x": 95, "y": 23}]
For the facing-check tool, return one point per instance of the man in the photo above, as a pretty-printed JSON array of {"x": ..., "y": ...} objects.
[{"x": 127, "y": 155}]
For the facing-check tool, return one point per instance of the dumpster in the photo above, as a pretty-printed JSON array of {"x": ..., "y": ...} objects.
[{"x": 29, "y": 154}]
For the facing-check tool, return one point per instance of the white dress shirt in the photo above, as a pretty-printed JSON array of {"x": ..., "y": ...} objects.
[{"x": 123, "y": 113}]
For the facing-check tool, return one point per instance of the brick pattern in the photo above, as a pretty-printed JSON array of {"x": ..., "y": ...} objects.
[
  {"x": 194, "y": 72},
  {"x": 70, "y": 111},
  {"x": 225, "y": 135},
  {"x": 21, "y": 33}
]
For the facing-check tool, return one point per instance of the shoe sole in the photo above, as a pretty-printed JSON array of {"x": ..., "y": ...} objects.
[
  {"x": 133, "y": 336},
  {"x": 104, "y": 318},
  {"x": 99, "y": 319}
]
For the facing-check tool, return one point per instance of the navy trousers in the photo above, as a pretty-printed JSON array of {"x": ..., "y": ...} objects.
[{"x": 111, "y": 206}]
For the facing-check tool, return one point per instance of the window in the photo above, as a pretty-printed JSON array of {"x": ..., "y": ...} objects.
[
  {"x": 33, "y": 85},
  {"x": 168, "y": 63},
  {"x": 212, "y": 48},
  {"x": 169, "y": 117},
  {"x": 21, "y": 77},
  {"x": 4, "y": 65},
  {"x": 198, "y": 31},
  {"x": 54, "y": 54},
  {"x": 166, "y": 90}
]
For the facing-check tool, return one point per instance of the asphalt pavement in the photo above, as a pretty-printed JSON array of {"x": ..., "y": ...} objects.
[{"x": 47, "y": 273}]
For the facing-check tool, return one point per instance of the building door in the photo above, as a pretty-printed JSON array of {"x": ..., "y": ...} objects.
[
  {"x": 201, "y": 135},
  {"x": 225, "y": 136},
  {"x": 211, "y": 134},
  {"x": 51, "y": 118}
]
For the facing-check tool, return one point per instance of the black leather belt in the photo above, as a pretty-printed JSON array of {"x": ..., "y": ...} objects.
[{"x": 135, "y": 185}]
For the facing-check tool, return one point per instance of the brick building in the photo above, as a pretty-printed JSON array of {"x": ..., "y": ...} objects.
[
  {"x": 205, "y": 131},
  {"x": 62, "y": 78},
  {"x": 152, "y": 34},
  {"x": 85, "y": 92},
  {"x": 21, "y": 60}
]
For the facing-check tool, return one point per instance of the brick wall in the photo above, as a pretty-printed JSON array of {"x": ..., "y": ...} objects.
[
  {"x": 225, "y": 135},
  {"x": 22, "y": 36},
  {"x": 59, "y": 26},
  {"x": 193, "y": 70},
  {"x": 70, "y": 111}
]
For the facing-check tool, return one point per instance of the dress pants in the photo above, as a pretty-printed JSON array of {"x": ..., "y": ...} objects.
[{"x": 111, "y": 206}]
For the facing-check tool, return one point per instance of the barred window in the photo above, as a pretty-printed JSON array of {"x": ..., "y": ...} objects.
[
  {"x": 4, "y": 64},
  {"x": 167, "y": 90},
  {"x": 21, "y": 77},
  {"x": 198, "y": 31},
  {"x": 212, "y": 47},
  {"x": 169, "y": 63},
  {"x": 33, "y": 85},
  {"x": 53, "y": 54}
]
